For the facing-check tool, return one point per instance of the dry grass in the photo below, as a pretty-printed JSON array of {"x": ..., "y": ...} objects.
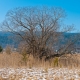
[
  {"x": 15, "y": 60},
  {"x": 11, "y": 60}
]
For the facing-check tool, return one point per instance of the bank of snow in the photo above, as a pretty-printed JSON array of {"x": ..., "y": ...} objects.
[{"x": 39, "y": 74}]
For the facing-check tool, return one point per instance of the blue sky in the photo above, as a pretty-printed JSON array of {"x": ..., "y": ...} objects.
[{"x": 72, "y": 8}]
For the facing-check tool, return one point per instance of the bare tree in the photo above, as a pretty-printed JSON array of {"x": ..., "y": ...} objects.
[{"x": 40, "y": 28}]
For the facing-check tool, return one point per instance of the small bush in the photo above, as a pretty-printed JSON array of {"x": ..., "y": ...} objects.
[
  {"x": 1, "y": 49},
  {"x": 56, "y": 60},
  {"x": 22, "y": 49},
  {"x": 8, "y": 49}
]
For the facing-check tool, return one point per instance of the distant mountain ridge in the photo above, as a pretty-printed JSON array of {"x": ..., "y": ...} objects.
[{"x": 7, "y": 38}]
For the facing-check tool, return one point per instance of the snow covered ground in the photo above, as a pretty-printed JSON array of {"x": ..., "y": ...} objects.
[{"x": 39, "y": 74}]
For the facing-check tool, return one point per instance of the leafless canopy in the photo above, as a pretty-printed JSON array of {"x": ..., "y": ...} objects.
[{"x": 40, "y": 28}]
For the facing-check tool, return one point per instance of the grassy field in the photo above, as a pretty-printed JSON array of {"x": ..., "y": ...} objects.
[{"x": 14, "y": 67}]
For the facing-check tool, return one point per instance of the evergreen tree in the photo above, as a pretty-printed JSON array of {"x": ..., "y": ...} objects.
[{"x": 1, "y": 49}]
